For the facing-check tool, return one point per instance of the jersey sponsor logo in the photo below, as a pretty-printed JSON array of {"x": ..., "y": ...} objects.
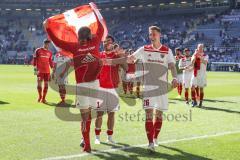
[
  {"x": 42, "y": 56},
  {"x": 155, "y": 61},
  {"x": 88, "y": 58},
  {"x": 86, "y": 49}
]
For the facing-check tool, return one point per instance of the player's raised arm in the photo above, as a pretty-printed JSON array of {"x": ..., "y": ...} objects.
[
  {"x": 204, "y": 60},
  {"x": 35, "y": 58},
  {"x": 65, "y": 45}
]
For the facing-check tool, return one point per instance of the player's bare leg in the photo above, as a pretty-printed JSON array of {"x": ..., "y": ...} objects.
[
  {"x": 39, "y": 88},
  {"x": 85, "y": 128},
  {"x": 98, "y": 125},
  {"x": 110, "y": 125},
  {"x": 197, "y": 93},
  {"x": 138, "y": 89},
  {"x": 124, "y": 84},
  {"x": 45, "y": 89},
  {"x": 186, "y": 95},
  {"x": 149, "y": 128},
  {"x": 201, "y": 97},
  {"x": 157, "y": 126},
  {"x": 130, "y": 87},
  {"x": 62, "y": 92},
  {"x": 193, "y": 93}
]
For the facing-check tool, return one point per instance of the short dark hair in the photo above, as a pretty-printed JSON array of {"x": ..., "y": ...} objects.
[
  {"x": 155, "y": 28},
  {"x": 84, "y": 33},
  {"x": 186, "y": 49},
  {"x": 46, "y": 41},
  {"x": 111, "y": 37},
  {"x": 178, "y": 49}
]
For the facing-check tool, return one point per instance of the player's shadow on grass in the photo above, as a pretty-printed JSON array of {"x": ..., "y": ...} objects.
[
  {"x": 215, "y": 100},
  {"x": 69, "y": 104},
  {"x": 136, "y": 153},
  {"x": 2, "y": 103},
  {"x": 205, "y": 100},
  {"x": 220, "y": 109}
]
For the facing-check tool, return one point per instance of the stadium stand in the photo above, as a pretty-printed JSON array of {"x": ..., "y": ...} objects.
[{"x": 218, "y": 30}]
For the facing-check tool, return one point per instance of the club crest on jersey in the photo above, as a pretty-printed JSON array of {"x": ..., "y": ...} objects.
[
  {"x": 88, "y": 58},
  {"x": 162, "y": 55}
]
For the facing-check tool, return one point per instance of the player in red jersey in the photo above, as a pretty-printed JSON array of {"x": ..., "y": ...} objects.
[
  {"x": 109, "y": 80},
  {"x": 87, "y": 65},
  {"x": 42, "y": 61}
]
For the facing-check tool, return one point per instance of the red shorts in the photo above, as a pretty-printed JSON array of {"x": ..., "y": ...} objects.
[{"x": 43, "y": 76}]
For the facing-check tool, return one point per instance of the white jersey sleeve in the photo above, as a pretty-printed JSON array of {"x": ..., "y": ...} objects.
[
  {"x": 206, "y": 58},
  {"x": 180, "y": 65},
  {"x": 138, "y": 54},
  {"x": 170, "y": 57}
]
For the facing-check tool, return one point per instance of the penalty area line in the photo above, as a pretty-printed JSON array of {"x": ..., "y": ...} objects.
[{"x": 140, "y": 145}]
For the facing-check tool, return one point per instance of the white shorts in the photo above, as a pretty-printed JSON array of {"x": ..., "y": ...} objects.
[
  {"x": 180, "y": 78},
  {"x": 58, "y": 79},
  {"x": 86, "y": 98},
  {"x": 158, "y": 102},
  {"x": 187, "y": 80},
  {"x": 200, "y": 80},
  {"x": 109, "y": 100},
  {"x": 134, "y": 77},
  {"x": 123, "y": 75}
]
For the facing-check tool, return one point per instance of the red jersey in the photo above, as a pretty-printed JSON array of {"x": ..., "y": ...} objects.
[
  {"x": 109, "y": 77},
  {"x": 86, "y": 58},
  {"x": 131, "y": 68},
  {"x": 43, "y": 60}
]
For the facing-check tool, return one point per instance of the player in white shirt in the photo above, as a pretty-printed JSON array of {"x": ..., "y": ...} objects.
[
  {"x": 178, "y": 57},
  {"x": 156, "y": 59},
  {"x": 60, "y": 74},
  {"x": 184, "y": 64},
  {"x": 199, "y": 78}
]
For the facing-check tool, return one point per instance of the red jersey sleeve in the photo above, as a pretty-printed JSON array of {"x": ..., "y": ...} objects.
[
  {"x": 35, "y": 56},
  {"x": 51, "y": 61},
  {"x": 68, "y": 46}
]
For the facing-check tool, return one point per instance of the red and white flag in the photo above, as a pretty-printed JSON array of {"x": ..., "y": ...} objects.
[{"x": 65, "y": 26}]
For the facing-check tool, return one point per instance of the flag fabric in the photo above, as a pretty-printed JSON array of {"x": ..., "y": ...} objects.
[{"x": 64, "y": 27}]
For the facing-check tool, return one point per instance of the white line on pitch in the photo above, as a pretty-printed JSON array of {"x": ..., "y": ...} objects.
[{"x": 136, "y": 146}]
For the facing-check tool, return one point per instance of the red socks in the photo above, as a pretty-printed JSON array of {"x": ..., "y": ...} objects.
[
  {"x": 130, "y": 87},
  {"x": 186, "y": 95},
  {"x": 97, "y": 131},
  {"x": 39, "y": 88},
  {"x": 157, "y": 127},
  {"x": 109, "y": 132},
  {"x": 85, "y": 126},
  {"x": 193, "y": 95},
  {"x": 149, "y": 130},
  {"x": 45, "y": 89},
  {"x": 179, "y": 89}
]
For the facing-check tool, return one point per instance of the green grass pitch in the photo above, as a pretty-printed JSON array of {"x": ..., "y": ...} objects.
[{"x": 31, "y": 130}]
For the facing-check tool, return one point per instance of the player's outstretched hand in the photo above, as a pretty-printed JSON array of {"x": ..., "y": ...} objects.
[{"x": 174, "y": 83}]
